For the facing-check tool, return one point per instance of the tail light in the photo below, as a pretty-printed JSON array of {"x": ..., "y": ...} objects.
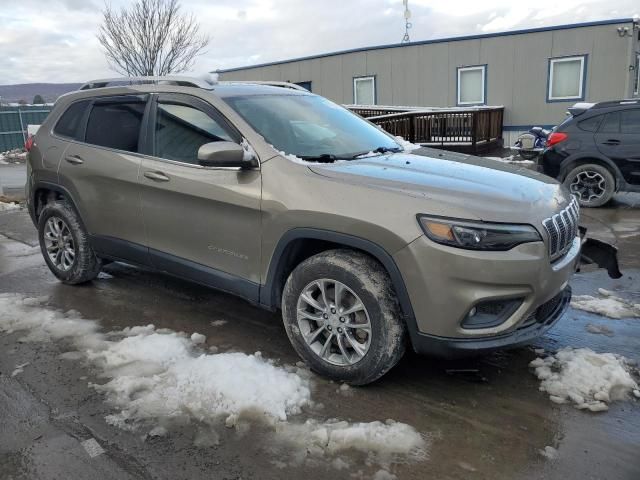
[
  {"x": 556, "y": 137},
  {"x": 29, "y": 143}
]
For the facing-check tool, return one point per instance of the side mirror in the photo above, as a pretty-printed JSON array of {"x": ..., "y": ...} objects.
[{"x": 223, "y": 154}]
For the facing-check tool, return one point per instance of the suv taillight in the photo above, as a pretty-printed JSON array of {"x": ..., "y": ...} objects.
[
  {"x": 556, "y": 137},
  {"x": 29, "y": 143}
]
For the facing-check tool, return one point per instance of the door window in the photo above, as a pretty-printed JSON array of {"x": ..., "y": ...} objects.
[
  {"x": 181, "y": 130},
  {"x": 115, "y": 125},
  {"x": 630, "y": 121}
]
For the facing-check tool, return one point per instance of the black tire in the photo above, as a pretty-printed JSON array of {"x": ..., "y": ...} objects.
[
  {"x": 367, "y": 279},
  {"x": 579, "y": 183},
  {"x": 528, "y": 154},
  {"x": 85, "y": 266}
]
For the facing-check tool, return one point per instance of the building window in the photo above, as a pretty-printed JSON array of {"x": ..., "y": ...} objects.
[
  {"x": 364, "y": 90},
  {"x": 472, "y": 83},
  {"x": 566, "y": 78}
]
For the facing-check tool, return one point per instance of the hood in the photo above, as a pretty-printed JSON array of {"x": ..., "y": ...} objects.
[{"x": 482, "y": 188}]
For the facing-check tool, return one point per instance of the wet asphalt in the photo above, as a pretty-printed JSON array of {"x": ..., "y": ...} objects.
[{"x": 484, "y": 417}]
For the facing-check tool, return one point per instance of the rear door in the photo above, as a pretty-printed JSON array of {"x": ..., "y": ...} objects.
[
  {"x": 101, "y": 168},
  {"x": 619, "y": 139},
  {"x": 201, "y": 222}
]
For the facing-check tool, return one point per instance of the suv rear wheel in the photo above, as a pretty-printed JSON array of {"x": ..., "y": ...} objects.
[
  {"x": 65, "y": 244},
  {"x": 592, "y": 184},
  {"x": 342, "y": 317}
]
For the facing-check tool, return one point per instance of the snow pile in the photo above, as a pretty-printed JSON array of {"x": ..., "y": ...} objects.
[
  {"x": 512, "y": 160},
  {"x": 607, "y": 304},
  {"x": 158, "y": 378},
  {"x": 406, "y": 145},
  {"x": 587, "y": 379},
  {"x": 13, "y": 156},
  {"x": 383, "y": 442},
  {"x": 7, "y": 206}
]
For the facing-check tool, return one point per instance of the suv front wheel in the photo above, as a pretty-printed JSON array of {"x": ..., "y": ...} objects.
[
  {"x": 592, "y": 184},
  {"x": 342, "y": 317},
  {"x": 65, "y": 244}
]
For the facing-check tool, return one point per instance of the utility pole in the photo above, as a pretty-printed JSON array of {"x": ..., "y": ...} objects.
[{"x": 407, "y": 24}]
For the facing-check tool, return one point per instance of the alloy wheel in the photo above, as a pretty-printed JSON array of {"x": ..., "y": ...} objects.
[
  {"x": 59, "y": 243},
  {"x": 588, "y": 186},
  {"x": 334, "y": 322}
]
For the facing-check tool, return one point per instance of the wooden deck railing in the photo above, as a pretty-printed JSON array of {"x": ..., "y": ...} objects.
[{"x": 470, "y": 130}]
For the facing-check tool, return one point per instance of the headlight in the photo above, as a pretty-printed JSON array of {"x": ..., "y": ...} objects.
[{"x": 477, "y": 235}]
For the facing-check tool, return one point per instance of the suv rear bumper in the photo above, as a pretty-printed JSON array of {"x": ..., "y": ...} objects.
[{"x": 545, "y": 317}]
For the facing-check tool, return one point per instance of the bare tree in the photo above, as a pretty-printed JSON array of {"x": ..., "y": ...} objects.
[{"x": 150, "y": 37}]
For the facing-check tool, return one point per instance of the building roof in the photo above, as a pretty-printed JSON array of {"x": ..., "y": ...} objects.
[{"x": 436, "y": 40}]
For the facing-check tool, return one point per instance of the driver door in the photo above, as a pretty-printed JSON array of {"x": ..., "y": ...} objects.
[{"x": 201, "y": 223}]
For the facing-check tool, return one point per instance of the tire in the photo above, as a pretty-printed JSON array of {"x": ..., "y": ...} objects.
[
  {"x": 592, "y": 184},
  {"x": 528, "y": 154},
  {"x": 356, "y": 276},
  {"x": 71, "y": 235}
]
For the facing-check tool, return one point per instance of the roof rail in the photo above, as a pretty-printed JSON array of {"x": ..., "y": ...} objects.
[
  {"x": 613, "y": 103},
  {"x": 290, "y": 85},
  {"x": 162, "y": 80}
]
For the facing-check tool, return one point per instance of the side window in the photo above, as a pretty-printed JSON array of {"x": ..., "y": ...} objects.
[
  {"x": 591, "y": 124},
  {"x": 181, "y": 130},
  {"x": 630, "y": 121},
  {"x": 70, "y": 123},
  {"x": 611, "y": 123},
  {"x": 115, "y": 125}
]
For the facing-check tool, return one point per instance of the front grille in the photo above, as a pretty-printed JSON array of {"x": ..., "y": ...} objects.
[{"x": 561, "y": 229}]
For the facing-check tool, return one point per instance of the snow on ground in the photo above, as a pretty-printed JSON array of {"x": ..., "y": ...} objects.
[
  {"x": 606, "y": 304},
  {"x": 585, "y": 378},
  {"x": 158, "y": 378},
  {"x": 7, "y": 206},
  {"x": 599, "y": 329},
  {"x": 13, "y": 156},
  {"x": 512, "y": 159}
]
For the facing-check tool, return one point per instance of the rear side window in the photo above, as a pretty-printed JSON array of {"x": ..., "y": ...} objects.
[
  {"x": 591, "y": 124},
  {"x": 70, "y": 123},
  {"x": 115, "y": 125},
  {"x": 630, "y": 122},
  {"x": 611, "y": 123}
]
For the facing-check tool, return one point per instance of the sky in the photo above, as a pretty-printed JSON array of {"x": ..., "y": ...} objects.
[{"x": 55, "y": 40}]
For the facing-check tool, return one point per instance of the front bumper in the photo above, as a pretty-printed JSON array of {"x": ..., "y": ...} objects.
[
  {"x": 444, "y": 283},
  {"x": 543, "y": 319}
]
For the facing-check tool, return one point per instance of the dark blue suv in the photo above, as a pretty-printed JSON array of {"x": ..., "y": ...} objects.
[{"x": 595, "y": 152}]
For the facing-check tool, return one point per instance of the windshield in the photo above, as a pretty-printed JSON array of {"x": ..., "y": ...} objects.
[{"x": 311, "y": 127}]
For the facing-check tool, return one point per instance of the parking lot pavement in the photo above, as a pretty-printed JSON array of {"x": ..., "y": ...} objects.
[
  {"x": 12, "y": 180},
  {"x": 481, "y": 418}
]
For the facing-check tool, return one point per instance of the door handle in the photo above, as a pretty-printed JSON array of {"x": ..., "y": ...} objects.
[
  {"x": 156, "y": 176},
  {"x": 612, "y": 142},
  {"x": 74, "y": 159}
]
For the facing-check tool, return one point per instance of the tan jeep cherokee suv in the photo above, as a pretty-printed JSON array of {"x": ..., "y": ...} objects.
[{"x": 291, "y": 201}]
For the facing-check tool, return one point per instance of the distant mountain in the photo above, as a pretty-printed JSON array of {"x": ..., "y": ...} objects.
[{"x": 26, "y": 91}]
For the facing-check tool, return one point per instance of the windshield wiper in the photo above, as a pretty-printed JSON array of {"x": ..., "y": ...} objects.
[
  {"x": 378, "y": 150},
  {"x": 322, "y": 158}
]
